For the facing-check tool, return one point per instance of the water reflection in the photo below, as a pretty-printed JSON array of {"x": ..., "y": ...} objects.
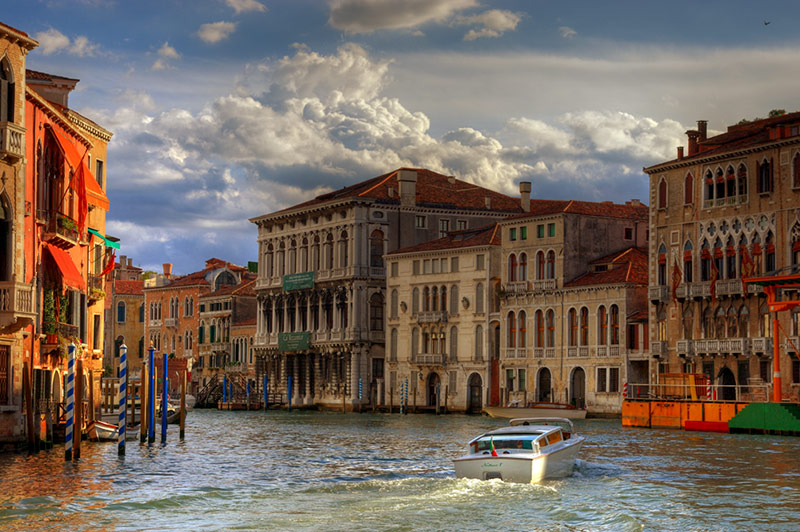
[{"x": 279, "y": 471}]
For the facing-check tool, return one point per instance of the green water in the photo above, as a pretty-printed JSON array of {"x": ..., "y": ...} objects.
[{"x": 324, "y": 471}]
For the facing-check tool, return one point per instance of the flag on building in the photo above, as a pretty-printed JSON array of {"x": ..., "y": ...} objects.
[
  {"x": 676, "y": 280},
  {"x": 714, "y": 274},
  {"x": 748, "y": 268}
]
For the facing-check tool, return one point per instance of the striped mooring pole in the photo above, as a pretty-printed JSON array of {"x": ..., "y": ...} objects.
[
  {"x": 290, "y": 393},
  {"x": 70, "y": 403},
  {"x": 164, "y": 400},
  {"x": 151, "y": 395},
  {"x": 266, "y": 402},
  {"x": 224, "y": 389},
  {"x": 625, "y": 390},
  {"x": 708, "y": 388},
  {"x": 123, "y": 398}
]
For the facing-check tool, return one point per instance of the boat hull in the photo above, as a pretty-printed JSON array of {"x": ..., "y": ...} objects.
[
  {"x": 503, "y": 412},
  {"x": 525, "y": 468}
]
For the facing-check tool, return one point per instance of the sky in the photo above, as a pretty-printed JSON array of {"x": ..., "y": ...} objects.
[{"x": 223, "y": 110}]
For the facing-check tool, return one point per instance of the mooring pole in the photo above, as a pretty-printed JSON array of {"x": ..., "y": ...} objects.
[
  {"x": 266, "y": 395},
  {"x": 70, "y": 403},
  {"x": 143, "y": 386},
  {"x": 290, "y": 393},
  {"x": 164, "y": 400},
  {"x": 224, "y": 389},
  {"x": 183, "y": 403},
  {"x": 151, "y": 393},
  {"x": 123, "y": 398},
  {"x": 76, "y": 451},
  {"x": 776, "y": 352}
]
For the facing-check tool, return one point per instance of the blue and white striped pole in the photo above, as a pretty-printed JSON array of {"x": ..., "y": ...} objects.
[
  {"x": 164, "y": 402},
  {"x": 248, "y": 394},
  {"x": 70, "y": 403},
  {"x": 151, "y": 395},
  {"x": 290, "y": 393},
  {"x": 359, "y": 390},
  {"x": 123, "y": 397},
  {"x": 224, "y": 389},
  {"x": 266, "y": 396}
]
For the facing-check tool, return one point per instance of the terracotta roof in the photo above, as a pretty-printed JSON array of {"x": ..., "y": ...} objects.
[
  {"x": 605, "y": 209},
  {"x": 44, "y": 76},
  {"x": 198, "y": 278},
  {"x": 487, "y": 235},
  {"x": 118, "y": 266},
  {"x": 433, "y": 190},
  {"x": 627, "y": 266},
  {"x": 738, "y": 137},
  {"x": 131, "y": 288},
  {"x": 245, "y": 288}
]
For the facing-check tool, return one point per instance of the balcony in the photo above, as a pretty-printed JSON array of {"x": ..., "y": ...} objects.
[
  {"x": 658, "y": 293},
  {"x": 432, "y": 317},
  {"x": 685, "y": 348},
  {"x": 16, "y": 306},
  {"x": 538, "y": 352},
  {"x": 62, "y": 231},
  {"x": 700, "y": 290},
  {"x": 683, "y": 291},
  {"x": 154, "y": 323},
  {"x": 602, "y": 350},
  {"x": 735, "y": 345},
  {"x": 171, "y": 322},
  {"x": 658, "y": 348},
  {"x": 793, "y": 344},
  {"x": 549, "y": 352},
  {"x": 430, "y": 359},
  {"x": 516, "y": 288},
  {"x": 761, "y": 345},
  {"x": 12, "y": 142},
  {"x": 543, "y": 284},
  {"x": 515, "y": 352},
  {"x": 572, "y": 352}
]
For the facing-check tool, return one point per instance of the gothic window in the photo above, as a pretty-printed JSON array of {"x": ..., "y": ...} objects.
[
  {"x": 709, "y": 185},
  {"x": 688, "y": 263},
  {"x": 512, "y": 268},
  {"x": 602, "y": 326},
  {"x": 662, "y": 265},
  {"x": 523, "y": 267},
  {"x": 572, "y": 318},
  {"x": 6, "y": 91},
  {"x": 376, "y": 249},
  {"x": 795, "y": 247},
  {"x": 6, "y": 238},
  {"x": 511, "y": 337},
  {"x": 764, "y": 171},
  {"x": 730, "y": 182},
  {"x": 769, "y": 254},
  {"x": 741, "y": 176},
  {"x": 662, "y": 194},
  {"x": 720, "y": 184},
  {"x": 796, "y": 171},
  {"x": 730, "y": 260},
  {"x": 688, "y": 189}
]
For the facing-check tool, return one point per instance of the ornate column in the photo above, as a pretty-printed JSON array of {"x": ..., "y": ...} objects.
[{"x": 274, "y": 315}]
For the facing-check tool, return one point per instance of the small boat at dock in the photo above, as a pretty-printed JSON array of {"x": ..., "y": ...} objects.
[
  {"x": 515, "y": 410},
  {"x": 529, "y": 450},
  {"x": 102, "y": 431}
]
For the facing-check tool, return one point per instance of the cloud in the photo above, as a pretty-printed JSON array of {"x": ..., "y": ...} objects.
[
  {"x": 53, "y": 41},
  {"x": 243, "y": 6},
  {"x": 492, "y": 23},
  {"x": 567, "y": 32},
  {"x": 165, "y": 53},
  {"x": 216, "y": 31},
  {"x": 366, "y": 16}
]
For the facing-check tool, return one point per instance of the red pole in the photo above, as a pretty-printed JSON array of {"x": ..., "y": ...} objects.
[{"x": 776, "y": 375}]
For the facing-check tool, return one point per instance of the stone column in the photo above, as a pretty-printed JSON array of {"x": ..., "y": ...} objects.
[
  {"x": 274, "y": 323},
  {"x": 320, "y": 317}
]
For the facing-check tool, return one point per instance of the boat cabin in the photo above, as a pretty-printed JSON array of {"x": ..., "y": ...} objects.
[{"x": 518, "y": 439}]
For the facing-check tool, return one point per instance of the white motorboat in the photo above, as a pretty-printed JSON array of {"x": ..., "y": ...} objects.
[
  {"x": 515, "y": 410},
  {"x": 529, "y": 450},
  {"x": 102, "y": 431}
]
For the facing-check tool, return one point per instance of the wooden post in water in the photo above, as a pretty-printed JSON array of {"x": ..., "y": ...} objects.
[
  {"x": 76, "y": 453},
  {"x": 415, "y": 398},
  {"x": 151, "y": 396},
  {"x": 446, "y": 393},
  {"x": 123, "y": 398},
  {"x": 391, "y": 399},
  {"x": 183, "y": 403},
  {"x": 343, "y": 405},
  {"x": 26, "y": 383},
  {"x": 143, "y": 403},
  {"x": 266, "y": 394},
  {"x": 164, "y": 399},
  {"x": 70, "y": 433}
]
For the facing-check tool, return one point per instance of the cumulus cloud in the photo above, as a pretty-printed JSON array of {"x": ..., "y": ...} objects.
[
  {"x": 567, "y": 32},
  {"x": 165, "y": 54},
  {"x": 243, "y": 6},
  {"x": 366, "y": 16},
  {"x": 53, "y": 41},
  {"x": 492, "y": 23},
  {"x": 216, "y": 31}
]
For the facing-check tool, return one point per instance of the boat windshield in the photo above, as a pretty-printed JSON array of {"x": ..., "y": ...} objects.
[{"x": 503, "y": 442}]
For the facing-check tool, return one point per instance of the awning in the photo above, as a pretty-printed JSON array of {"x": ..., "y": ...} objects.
[
  {"x": 108, "y": 243},
  {"x": 70, "y": 275},
  {"x": 94, "y": 194}
]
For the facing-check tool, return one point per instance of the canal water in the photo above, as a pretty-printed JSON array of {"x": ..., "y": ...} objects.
[{"x": 326, "y": 471}]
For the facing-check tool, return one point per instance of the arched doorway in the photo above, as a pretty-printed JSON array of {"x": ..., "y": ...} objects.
[
  {"x": 578, "y": 388},
  {"x": 433, "y": 389},
  {"x": 474, "y": 394},
  {"x": 728, "y": 383},
  {"x": 544, "y": 386}
]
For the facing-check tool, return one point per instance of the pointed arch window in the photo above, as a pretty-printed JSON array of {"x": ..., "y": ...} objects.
[
  {"x": 662, "y": 194},
  {"x": 741, "y": 178},
  {"x": 796, "y": 171},
  {"x": 662, "y": 265},
  {"x": 764, "y": 170},
  {"x": 550, "y": 324},
  {"x": 795, "y": 247},
  {"x": 709, "y": 185},
  {"x": 6, "y": 238},
  {"x": 730, "y": 183},
  {"x": 572, "y": 317},
  {"x": 688, "y": 262},
  {"x": 602, "y": 325},
  {"x": 688, "y": 189},
  {"x": 511, "y": 337},
  {"x": 7, "y": 87},
  {"x": 512, "y": 268},
  {"x": 523, "y": 267}
]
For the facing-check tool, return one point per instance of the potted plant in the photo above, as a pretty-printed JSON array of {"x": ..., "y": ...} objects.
[
  {"x": 96, "y": 294},
  {"x": 50, "y": 323}
]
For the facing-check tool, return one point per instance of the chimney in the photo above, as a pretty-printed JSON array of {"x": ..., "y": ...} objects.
[
  {"x": 680, "y": 152},
  {"x": 130, "y": 263},
  {"x": 390, "y": 192},
  {"x": 488, "y": 202},
  {"x": 122, "y": 261},
  {"x": 407, "y": 180},
  {"x": 692, "y": 135},
  {"x": 525, "y": 195},
  {"x": 167, "y": 269},
  {"x": 634, "y": 202},
  {"x": 451, "y": 179},
  {"x": 702, "y": 128}
]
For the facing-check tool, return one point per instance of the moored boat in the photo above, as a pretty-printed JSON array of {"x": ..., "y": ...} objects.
[
  {"x": 515, "y": 410},
  {"x": 529, "y": 450},
  {"x": 102, "y": 431}
]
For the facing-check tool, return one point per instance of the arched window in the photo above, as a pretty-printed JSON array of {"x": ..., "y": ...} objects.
[
  {"x": 121, "y": 312},
  {"x": 688, "y": 189},
  {"x": 291, "y": 267},
  {"x": 614, "y": 325},
  {"x": 6, "y": 91},
  {"x": 523, "y": 266},
  {"x": 522, "y": 325},
  {"x": 376, "y": 249},
  {"x": 742, "y": 179},
  {"x": 730, "y": 184},
  {"x": 201, "y": 336},
  {"x": 769, "y": 254},
  {"x": 744, "y": 321},
  {"x": 551, "y": 264},
  {"x": 435, "y": 299},
  {"x": 602, "y": 326},
  {"x": 733, "y": 323},
  {"x": 395, "y": 304},
  {"x": 478, "y": 343},
  {"x": 572, "y": 319},
  {"x": 376, "y": 312},
  {"x": 662, "y": 265},
  {"x": 393, "y": 346},
  {"x": 550, "y": 324},
  {"x": 344, "y": 254},
  {"x": 329, "y": 252},
  {"x": 6, "y": 238},
  {"x": 426, "y": 299},
  {"x": 539, "y": 319},
  {"x": 688, "y": 262},
  {"x": 730, "y": 259},
  {"x": 540, "y": 265},
  {"x": 268, "y": 264},
  {"x": 662, "y": 194},
  {"x": 512, "y": 268},
  {"x": 764, "y": 171},
  {"x": 584, "y": 339},
  {"x": 511, "y": 337},
  {"x": 443, "y": 296},
  {"x": 795, "y": 236},
  {"x": 141, "y": 313},
  {"x": 479, "y": 303},
  {"x": 304, "y": 256},
  {"x": 315, "y": 251},
  {"x": 720, "y": 184},
  {"x": 280, "y": 260}
]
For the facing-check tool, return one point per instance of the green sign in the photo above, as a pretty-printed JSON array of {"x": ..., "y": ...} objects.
[
  {"x": 298, "y": 281},
  {"x": 294, "y": 341}
]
